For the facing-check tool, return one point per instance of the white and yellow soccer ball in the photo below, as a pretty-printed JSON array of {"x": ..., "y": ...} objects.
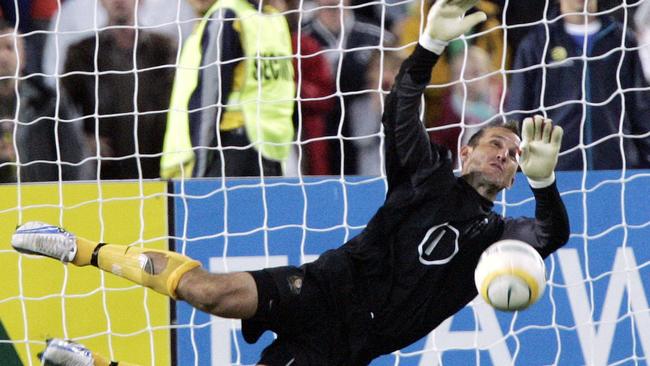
[{"x": 510, "y": 275}]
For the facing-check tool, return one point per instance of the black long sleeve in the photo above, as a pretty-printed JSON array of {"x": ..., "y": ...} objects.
[
  {"x": 408, "y": 151},
  {"x": 549, "y": 230}
]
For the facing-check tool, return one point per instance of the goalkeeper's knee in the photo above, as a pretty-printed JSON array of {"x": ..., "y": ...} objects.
[{"x": 159, "y": 270}]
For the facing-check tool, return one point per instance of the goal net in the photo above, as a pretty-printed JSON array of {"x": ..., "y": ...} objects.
[{"x": 84, "y": 108}]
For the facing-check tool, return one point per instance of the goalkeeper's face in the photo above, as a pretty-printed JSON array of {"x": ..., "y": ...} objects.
[{"x": 493, "y": 159}]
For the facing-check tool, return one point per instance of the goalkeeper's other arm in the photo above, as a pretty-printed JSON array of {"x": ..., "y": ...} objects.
[{"x": 60, "y": 352}]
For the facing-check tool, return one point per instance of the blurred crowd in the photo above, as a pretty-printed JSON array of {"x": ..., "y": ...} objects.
[{"x": 144, "y": 89}]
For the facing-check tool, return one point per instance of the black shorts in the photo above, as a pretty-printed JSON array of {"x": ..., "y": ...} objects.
[{"x": 292, "y": 305}]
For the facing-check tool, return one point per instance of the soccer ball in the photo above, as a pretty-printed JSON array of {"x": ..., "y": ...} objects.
[{"x": 510, "y": 275}]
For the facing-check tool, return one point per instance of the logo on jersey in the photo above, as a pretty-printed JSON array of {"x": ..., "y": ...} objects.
[{"x": 439, "y": 246}]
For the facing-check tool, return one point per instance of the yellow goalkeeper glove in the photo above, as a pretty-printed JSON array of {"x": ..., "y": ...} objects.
[
  {"x": 540, "y": 146},
  {"x": 447, "y": 21}
]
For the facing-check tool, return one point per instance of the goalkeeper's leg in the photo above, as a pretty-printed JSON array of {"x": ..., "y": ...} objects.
[
  {"x": 232, "y": 295},
  {"x": 156, "y": 269}
]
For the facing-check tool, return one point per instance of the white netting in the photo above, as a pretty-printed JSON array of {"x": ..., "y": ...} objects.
[{"x": 101, "y": 114}]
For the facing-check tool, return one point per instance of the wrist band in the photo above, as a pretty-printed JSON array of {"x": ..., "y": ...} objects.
[
  {"x": 542, "y": 183},
  {"x": 434, "y": 45}
]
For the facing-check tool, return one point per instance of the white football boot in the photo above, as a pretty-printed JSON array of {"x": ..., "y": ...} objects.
[
  {"x": 62, "y": 352},
  {"x": 44, "y": 239}
]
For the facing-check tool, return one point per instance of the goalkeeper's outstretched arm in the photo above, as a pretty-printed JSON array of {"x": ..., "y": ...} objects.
[
  {"x": 408, "y": 153},
  {"x": 540, "y": 147},
  {"x": 228, "y": 295}
]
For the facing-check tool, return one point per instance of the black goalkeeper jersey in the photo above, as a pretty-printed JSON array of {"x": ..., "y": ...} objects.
[{"x": 413, "y": 265}]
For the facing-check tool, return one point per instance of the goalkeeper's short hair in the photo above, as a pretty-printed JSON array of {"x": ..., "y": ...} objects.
[{"x": 511, "y": 125}]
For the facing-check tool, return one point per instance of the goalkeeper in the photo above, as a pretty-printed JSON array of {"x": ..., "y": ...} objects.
[{"x": 413, "y": 265}]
